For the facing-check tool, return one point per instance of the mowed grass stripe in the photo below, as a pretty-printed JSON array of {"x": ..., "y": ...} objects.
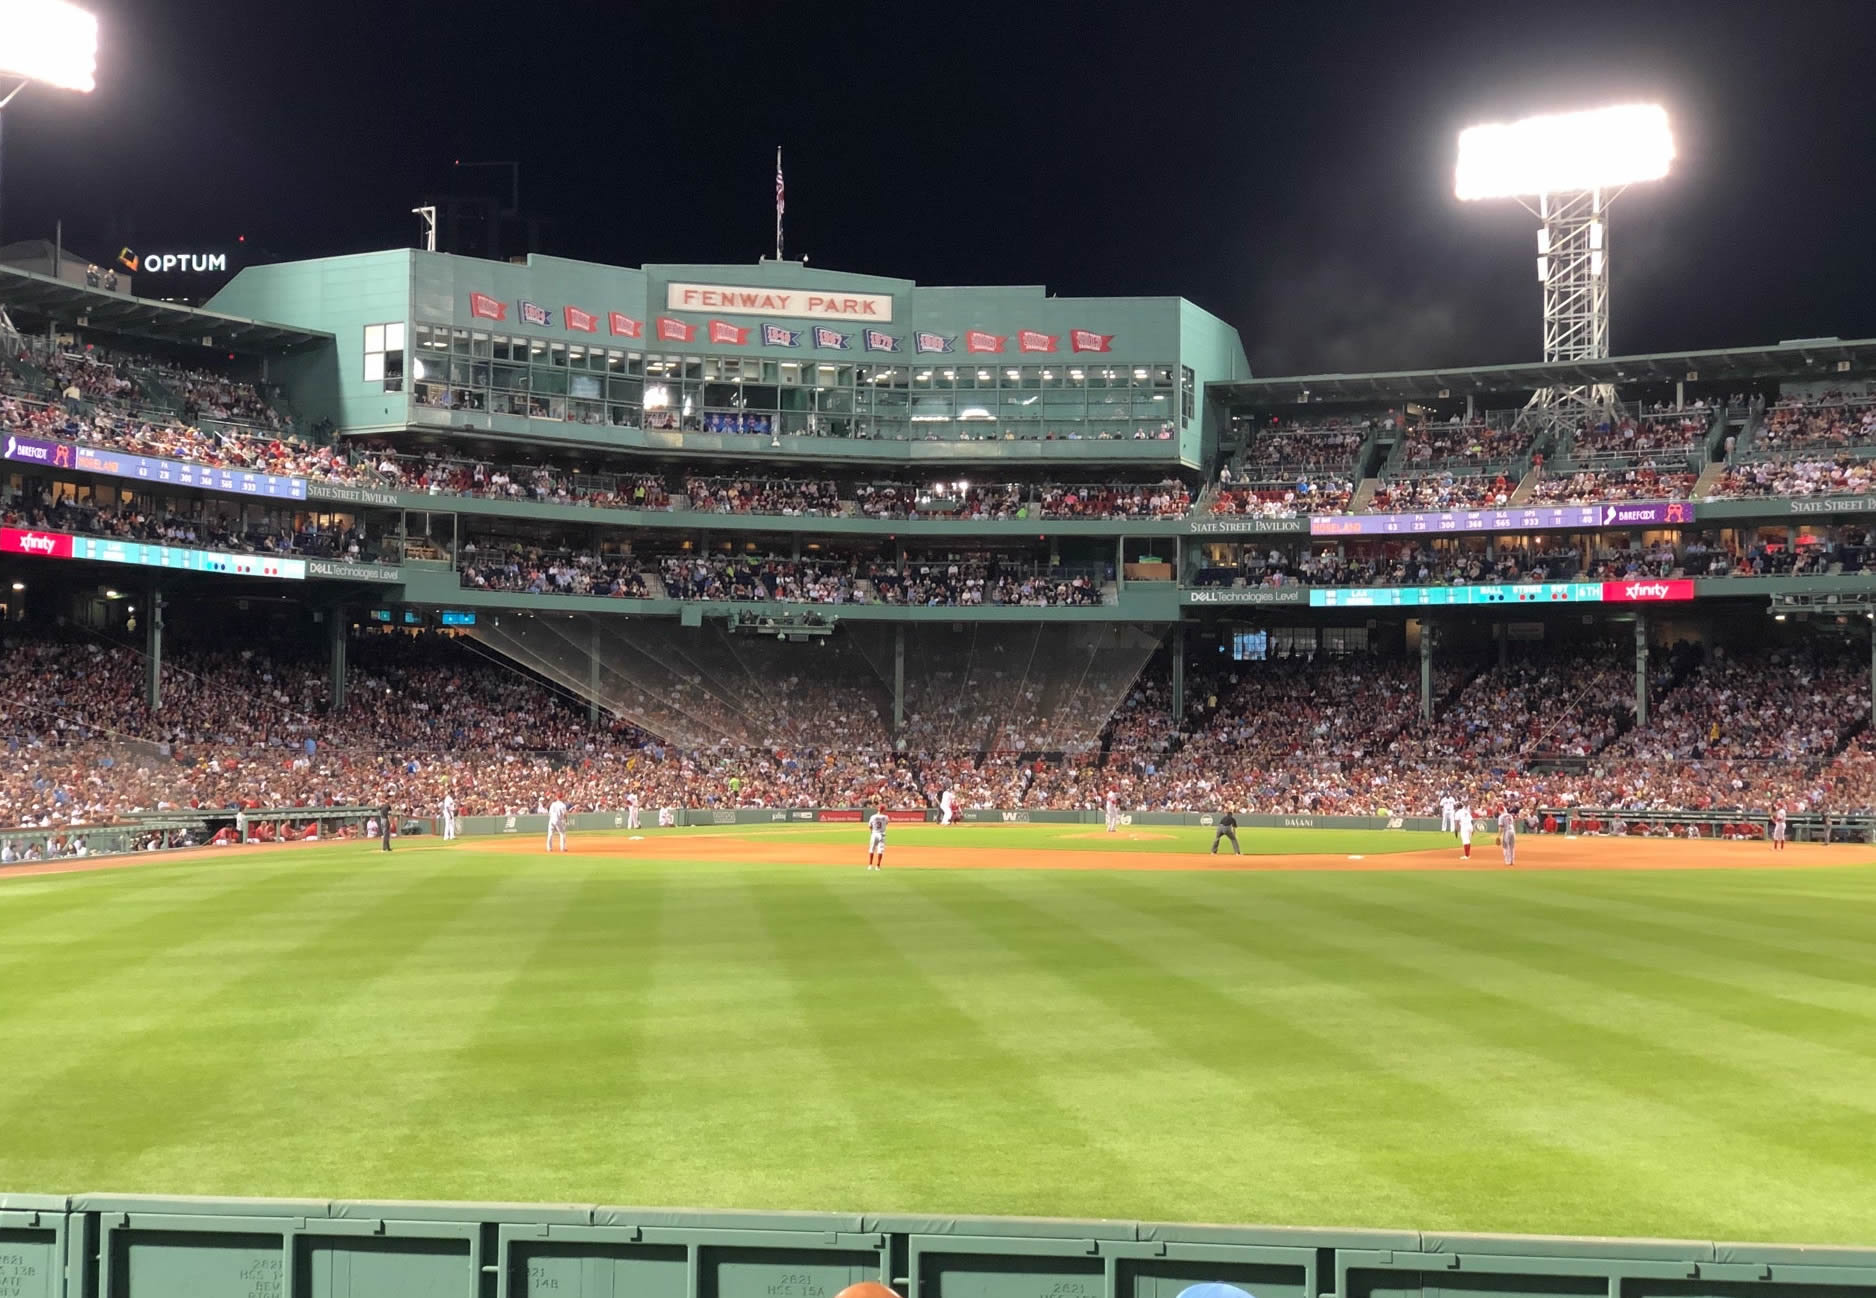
[
  {"x": 738, "y": 1105},
  {"x": 444, "y": 1096},
  {"x": 1644, "y": 1047},
  {"x": 1811, "y": 999},
  {"x": 1627, "y": 1017},
  {"x": 1587, "y": 1156},
  {"x": 1829, "y": 936},
  {"x": 184, "y": 1078},
  {"x": 42, "y": 955},
  {"x": 943, "y": 1106},
  {"x": 1315, "y": 1090}
]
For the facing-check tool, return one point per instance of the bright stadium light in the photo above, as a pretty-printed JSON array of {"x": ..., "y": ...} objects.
[
  {"x": 1601, "y": 149},
  {"x": 49, "y": 42},
  {"x": 1566, "y": 169}
]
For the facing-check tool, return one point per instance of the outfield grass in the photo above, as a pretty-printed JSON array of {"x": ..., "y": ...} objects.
[
  {"x": 851, "y": 838},
  {"x": 1682, "y": 1053}
]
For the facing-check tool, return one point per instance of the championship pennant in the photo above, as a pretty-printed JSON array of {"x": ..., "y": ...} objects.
[
  {"x": 536, "y": 315},
  {"x": 832, "y": 339},
  {"x": 1028, "y": 340},
  {"x": 675, "y": 331},
  {"x": 976, "y": 340},
  {"x": 721, "y": 331},
  {"x": 481, "y": 304},
  {"x": 585, "y": 321},
  {"x": 876, "y": 341},
  {"x": 774, "y": 335},
  {"x": 1083, "y": 340},
  {"x": 924, "y": 342},
  {"x": 624, "y": 326}
]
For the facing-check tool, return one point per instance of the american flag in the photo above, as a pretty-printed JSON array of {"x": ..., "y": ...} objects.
[{"x": 780, "y": 205}]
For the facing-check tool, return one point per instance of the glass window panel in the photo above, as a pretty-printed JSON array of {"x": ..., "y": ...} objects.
[
  {"x": 374, "y": 367},
  {"x": 922, "y": 380},
  {"x": 459, "y": 339},
  {"x": 478, "y": 344},
  {"x": 374, "y": 338},
  {"x": 557, "y": 355},
  {"x": 550, "y": 380},
  {"x": 394, "y": 336}
]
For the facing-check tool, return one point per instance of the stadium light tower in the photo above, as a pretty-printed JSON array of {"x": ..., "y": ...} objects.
[
  {"x": 1566, "y": 169},
  {"x": 49, "y": 42}
]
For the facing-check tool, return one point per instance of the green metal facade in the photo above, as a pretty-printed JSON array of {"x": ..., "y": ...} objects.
[
  {"x": 1183, "y": 346},
  {"x": 116, "y": 1246}
]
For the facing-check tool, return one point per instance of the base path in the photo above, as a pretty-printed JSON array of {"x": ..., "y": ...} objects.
[{"x": 1534, "y": 853}]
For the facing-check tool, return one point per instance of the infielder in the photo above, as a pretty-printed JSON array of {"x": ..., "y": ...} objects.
[
  {"x": 1448, "y": 823},
  {"x": 449, "y": 817},
  {"x": 1778, "y": 829},
  {"x": 1463, "y": 821},
  {"x": 631, "y": 811},
  {"x": 948, "y": 808},
  {"x": 876, "y": 840},
  {"x": 557, "y": 824},
  {"x": 1227, "y": 828},
  {"x": 1113, "y": 812},
  {"x": 1508, "y": 835}
]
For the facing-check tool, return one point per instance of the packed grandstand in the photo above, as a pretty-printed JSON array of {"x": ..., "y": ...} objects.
[{"x": 1099, "y": 693}]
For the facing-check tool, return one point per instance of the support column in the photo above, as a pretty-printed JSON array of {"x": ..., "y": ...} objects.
[
  {"x": 153, "y": 651},
  {"x": 335, "y": 645},
  {"x": 1179, "y": 673},
  {"x": 1426, "y": 670},
  {"x": 1120, "y": 564},
  {"x": 1872, "y": 673},
  {"x": 592, "y": 674},
  {"x": 898, "y": 678},
  {"x": 1641, "y": 669}
]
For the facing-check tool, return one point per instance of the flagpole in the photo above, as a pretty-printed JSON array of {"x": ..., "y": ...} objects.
[{"x": 778, "y": 202}]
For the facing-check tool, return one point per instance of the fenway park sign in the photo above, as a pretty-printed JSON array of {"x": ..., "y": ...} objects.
[{"x": 819, "y": 304}]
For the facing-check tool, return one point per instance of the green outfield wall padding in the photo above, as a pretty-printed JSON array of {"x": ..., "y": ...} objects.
[{"x": 113, "y": 1246}]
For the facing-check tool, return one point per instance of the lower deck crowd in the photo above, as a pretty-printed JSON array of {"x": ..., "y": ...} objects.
[{"x": 428, "y": 716}]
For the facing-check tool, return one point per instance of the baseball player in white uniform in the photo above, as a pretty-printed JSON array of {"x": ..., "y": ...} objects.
[
  {"x": 948, "y": 808},
  {"x": 876, "y": 841},
  {"x": 1463, "y": 820},
  {"x": 1778, "y": 829},
  {"x": 631, "y": 811},
  {"x": 1508, "y": 835},
  {"x": 1447, "y": 821},
  {"x": 449, "y": 817},
  {"x": 557, "y": 824},
  {"x": 1113, "y": 811}
]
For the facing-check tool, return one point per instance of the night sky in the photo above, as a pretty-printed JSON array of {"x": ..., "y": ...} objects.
[{"x": 1286, "y": 166}]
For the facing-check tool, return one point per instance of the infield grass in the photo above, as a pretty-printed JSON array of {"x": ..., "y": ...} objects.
[{"x": 1682, "y": 1053}]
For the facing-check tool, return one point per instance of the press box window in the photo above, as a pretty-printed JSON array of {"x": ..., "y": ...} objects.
[
  {"x": 384, "y": 355},
  {"x": 1188, "y": 389}
]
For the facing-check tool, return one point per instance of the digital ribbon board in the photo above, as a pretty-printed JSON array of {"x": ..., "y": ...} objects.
[
  {"x": 1639, "y": 591},
  {"x": 103, "y": 549},
  {"x": 1543, "y": 518},
  {"x": 147, "y": 468}
]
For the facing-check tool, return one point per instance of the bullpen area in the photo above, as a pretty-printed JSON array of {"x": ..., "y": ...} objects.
[{"x": 1346, "y": 1027}]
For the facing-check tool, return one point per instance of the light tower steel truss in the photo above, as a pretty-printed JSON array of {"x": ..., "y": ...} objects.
[{"x": 1573, "y": 265}]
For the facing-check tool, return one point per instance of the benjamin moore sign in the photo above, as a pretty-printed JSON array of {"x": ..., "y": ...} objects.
[{"x": 815, "y": 304}]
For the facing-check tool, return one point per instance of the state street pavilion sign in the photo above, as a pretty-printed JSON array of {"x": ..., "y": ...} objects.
[{"x": 816, "y": 304}]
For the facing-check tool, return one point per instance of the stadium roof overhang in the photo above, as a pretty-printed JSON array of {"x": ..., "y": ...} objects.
[
  {"x": 26, "y": 291},
  {"x": 1808, "y": 358}
]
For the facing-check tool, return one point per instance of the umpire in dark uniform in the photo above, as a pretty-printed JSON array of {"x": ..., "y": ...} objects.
[{"x": 1227, "y": 828}]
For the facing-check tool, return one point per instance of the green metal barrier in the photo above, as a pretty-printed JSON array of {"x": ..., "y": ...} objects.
[{"x": 115, "y": 1246}]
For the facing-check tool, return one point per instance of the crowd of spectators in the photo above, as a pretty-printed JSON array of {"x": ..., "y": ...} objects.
[
  {"x": 197, "y": 524},
  {"x": 1436, "y": 492},
  {"x": 1830, "y": 422},
  {"x": 1641, "y": 435},
  {"x": 1841, "y": 475},
  {"x": 1278, "y": 449},
  {"x": 1457, "y": 443},
  {"x": 1289, "y": 499},
  {"x": 979, "y": 581},
  {"x": 534, "y": 570},
  {"x": 1646, "y": 481},
  {"x": 789, "y": 497},
  {"x": 724, "y": 577},
  {"x": 1168, "y": 499},
  {"x": 250, "y": 727}
]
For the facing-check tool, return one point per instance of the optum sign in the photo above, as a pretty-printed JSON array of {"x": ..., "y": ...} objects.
[{"x": 167, "y": 263}]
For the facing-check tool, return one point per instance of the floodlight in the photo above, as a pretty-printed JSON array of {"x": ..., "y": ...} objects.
[
  {"x": 49, "y": 41},
  {"x": 1566, "y": 169},
  {"x": 1558, "y": 153}
]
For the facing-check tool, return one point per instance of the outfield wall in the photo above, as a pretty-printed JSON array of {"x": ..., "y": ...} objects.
[
  {"x": 648, "y": 817},
  {"x": 115, "y": 1246}
]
